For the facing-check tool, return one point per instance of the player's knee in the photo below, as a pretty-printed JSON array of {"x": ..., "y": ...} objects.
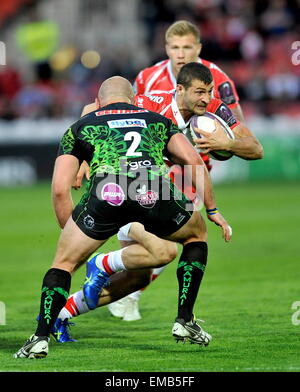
[{"x": 173, "y": 250}]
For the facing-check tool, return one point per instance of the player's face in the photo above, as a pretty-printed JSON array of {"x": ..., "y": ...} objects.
[
  {"x": 182, "y": 50},
  {"x": 197, "y": 96}
]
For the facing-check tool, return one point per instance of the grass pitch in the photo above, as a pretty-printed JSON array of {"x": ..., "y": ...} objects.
[{"x": 245, "y": 299}]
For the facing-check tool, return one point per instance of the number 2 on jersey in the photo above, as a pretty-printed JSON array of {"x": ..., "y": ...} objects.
[{"x": 136, "y": 139}]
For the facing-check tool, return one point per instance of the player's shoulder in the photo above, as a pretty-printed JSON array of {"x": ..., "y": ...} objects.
[
  {"x": 87, "y": 117},
  {"x": 156, "y": 67},
  {"x": 151, "y": 108},
  {"x": 219, "y": 75},
  {"x": 153, "y": 101},
  {"x": 91, "y": 118},
  {"x": 214, "y": 68}
]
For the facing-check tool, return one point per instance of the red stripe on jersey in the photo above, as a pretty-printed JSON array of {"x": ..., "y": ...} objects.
[
  {"x": 123, "y": 111},
  {"x": 71, "y": 307},
  {"x": 106, "y": 265}
]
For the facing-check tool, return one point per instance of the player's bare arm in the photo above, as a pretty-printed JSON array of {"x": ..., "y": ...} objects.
[
  {"x": 84, "y": 170},
  {"x": 184, "y": 154},
  {"x": 65, "y": 171},
  {"x": 245, "y": 145},
  {"x": 238, "y": 113}
]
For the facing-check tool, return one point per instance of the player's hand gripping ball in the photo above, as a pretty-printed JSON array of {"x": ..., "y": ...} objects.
[{"x": 207, "y": 123}]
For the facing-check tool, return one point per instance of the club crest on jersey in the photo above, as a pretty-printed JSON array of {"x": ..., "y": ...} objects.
[
  {"x": 146, "y": 198},
  {"x": 127, "y": 123},
  {"x": 89, "y": 222},
  {"x": 113, "y": 194}
]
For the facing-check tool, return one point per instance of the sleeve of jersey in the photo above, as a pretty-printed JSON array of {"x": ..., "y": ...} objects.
[
  {"x": 225, "y": 89},
  {"x": 223, "y": 111},
  {"x": 69, "y": 144}
]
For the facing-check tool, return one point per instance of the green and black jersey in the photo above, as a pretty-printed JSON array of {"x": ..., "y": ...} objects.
[
  {"x": 120, "y": 139},
  {"x": 125, "y": 147}
]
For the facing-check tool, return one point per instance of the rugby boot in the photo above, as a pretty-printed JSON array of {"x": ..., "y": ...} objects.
[
  {"x": 34, "y": 347},
  {"x": 126, "y": 308},
  {"x": 118, "y": 308},
  {"x": 132, "y": 310},
  {"x": 60, "y": 331},
  {"x": 94, "y": 282},
  {"x": 190, "y": 331}
]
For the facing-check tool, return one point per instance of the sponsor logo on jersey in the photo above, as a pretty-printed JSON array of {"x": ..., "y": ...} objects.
[
  {"x": 225, "y": 113},
  {"x": 226, "y": 93},
  {"x": 113, "y": 194},
  {"x": 155, "y": 98},
  {"x": 146, "y": 198},
  {"x": 119, "y": 111},
  {"x": 127, "y": 123},
  {"x": 135, "y": 165}
]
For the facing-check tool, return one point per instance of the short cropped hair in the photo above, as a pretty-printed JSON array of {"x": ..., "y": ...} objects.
[
  {"x": 192, "y": 71},
  {"x": 181, "y": 28}
]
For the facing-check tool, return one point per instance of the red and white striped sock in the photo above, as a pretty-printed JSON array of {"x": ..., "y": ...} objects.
[
  {"x": 75, "y": 306},
  {"x": 111, "y": 262}
]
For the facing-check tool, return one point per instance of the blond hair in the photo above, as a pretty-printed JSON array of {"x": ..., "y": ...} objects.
[{"x": 181, "y": 28}]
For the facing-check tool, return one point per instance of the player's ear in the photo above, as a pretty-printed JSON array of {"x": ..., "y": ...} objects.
[
  {"x": 199, "y": 49},
  {"x": 179, "y": 89},
  {"x": 167, "y": 49},
  {"x": 97, "y": 103}
]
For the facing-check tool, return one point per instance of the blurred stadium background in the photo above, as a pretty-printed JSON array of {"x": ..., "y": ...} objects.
[
  {"x": 53, "y": 56},
  {"x": 58, "y": 52}
]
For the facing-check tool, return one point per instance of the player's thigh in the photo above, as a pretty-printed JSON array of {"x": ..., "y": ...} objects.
[
  {"x": 193, "y": 230},
  {"x": 74, "y": 247}
]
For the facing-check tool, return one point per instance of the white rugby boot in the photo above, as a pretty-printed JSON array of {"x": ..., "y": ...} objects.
[
  {"x": 132, "y": 310},
  {"x": 126, "y": 308},
  {"x": 190, "y": 331},
  {"x": 34, "y": 347}
]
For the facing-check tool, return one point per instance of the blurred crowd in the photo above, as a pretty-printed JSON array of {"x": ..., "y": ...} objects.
[{"x": 249, "y": 39}]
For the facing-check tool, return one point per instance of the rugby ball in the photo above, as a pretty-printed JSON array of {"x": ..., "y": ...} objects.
[{"x": 206, "y": 122}]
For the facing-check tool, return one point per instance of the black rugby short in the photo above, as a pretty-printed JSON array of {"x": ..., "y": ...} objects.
[{"x": 108, "y": 206}]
